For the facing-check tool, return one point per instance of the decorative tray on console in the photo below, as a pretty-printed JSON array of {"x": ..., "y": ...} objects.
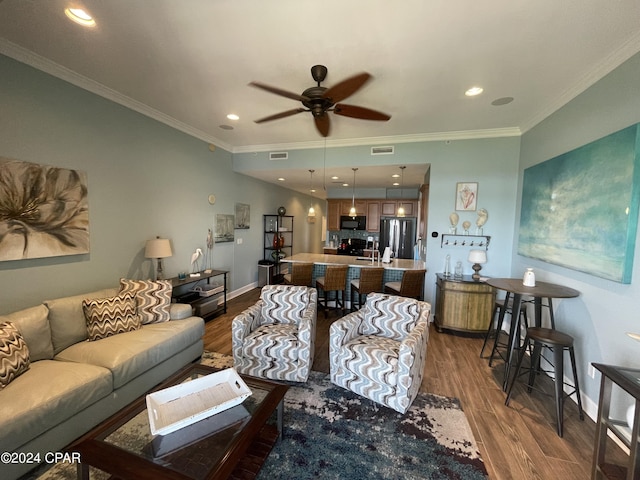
[{"x": 189, "y": 402}]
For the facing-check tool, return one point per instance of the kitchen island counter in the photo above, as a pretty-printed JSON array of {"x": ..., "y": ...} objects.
[{"x": 322, "y": 259}]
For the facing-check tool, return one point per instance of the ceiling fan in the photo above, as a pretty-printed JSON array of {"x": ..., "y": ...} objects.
[{"x": 321, "y": 100}]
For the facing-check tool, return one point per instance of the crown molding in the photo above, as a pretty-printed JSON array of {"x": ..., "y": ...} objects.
[
  {"x": 610, "y": 63},
  {"x": 395, "y": 139},
  {"x": 36, "y": 61}
]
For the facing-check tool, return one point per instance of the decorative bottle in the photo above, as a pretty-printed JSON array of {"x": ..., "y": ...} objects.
[{"x": 529, "y": 279}]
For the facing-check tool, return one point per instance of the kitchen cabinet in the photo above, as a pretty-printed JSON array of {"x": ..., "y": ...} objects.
[
  {"x": 373, "y": 216},
  {"x": 361, "y": 207},
  {"x": 388, "y": 208},
  {"x": 463, "y": 304},
  {"x": 333, "y": 215}
]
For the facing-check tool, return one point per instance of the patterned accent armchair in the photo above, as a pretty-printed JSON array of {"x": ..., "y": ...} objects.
[
  {"x": 275, "y": 338},
  {"x": 379, "y": 351}
]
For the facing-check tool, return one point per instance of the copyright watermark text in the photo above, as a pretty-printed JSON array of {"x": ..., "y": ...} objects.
[{"x": 37, "y": 457}]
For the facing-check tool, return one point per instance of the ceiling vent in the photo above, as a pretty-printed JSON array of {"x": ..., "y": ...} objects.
[
  {"x": 278, "y": 155},
  {"x": 382, "y": 150}
]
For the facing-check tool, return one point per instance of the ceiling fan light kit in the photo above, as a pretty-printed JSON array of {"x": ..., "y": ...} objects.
[{"x": 320, "y": 100}]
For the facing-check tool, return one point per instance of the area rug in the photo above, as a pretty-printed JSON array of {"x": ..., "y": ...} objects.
[{"x": 332, "y": 433}]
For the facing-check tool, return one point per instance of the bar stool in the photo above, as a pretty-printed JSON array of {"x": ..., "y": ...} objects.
[
  {"x": 558, "y": 343},
  {"x": 370, "y": 281},
  {"x": 334, "y": 280},
  {"x": 299, "y": 274},
  {"x": 411, "y": 285},
  {"x": 495, "y": 329}
]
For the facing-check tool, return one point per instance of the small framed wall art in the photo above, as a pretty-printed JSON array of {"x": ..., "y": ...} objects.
[{"x": 466, "y": 196}]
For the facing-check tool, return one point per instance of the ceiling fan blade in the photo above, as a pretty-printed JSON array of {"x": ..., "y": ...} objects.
[
  {"x": 279, "y": 91},
  {"x": 288, "y": 113},
  {"x": 323, "y": 124},
  {"x": 347, "y": 87},
  {"x": 360, "y": 112}
]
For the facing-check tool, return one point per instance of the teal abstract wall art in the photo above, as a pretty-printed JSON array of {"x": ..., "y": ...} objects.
[{"x": 580, "y": 209}]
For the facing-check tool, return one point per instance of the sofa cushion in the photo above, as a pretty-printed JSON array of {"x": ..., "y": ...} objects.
[
  {"x": 68, "y": 325},
  {"x": 389, "y": 316},
  {"x": 153, "y": 298},
  {"x": 34, "y": 327},
  {"x": 110, "y": 316},
  {"x": 48, "y": 394},
  {"x": 130, "y": 354},
  {"x": 14, "y": 354},
  {"x": 283, "y": 303}
]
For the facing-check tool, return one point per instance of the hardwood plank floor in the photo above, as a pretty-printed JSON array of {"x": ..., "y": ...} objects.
[{"x": 516, "y": 442}]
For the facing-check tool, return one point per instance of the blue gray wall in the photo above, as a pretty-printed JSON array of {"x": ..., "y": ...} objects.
[
  {"x": 145, "y": 179},
  {"x": 606, "y": 310}
]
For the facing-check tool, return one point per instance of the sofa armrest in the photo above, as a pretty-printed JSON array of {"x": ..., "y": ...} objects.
[
  {"x": 344, "y": 330},
  {"x": 243, "y": 324},
  {"x": 179, "y": 311},
  {"x": 412, "y": 354}
]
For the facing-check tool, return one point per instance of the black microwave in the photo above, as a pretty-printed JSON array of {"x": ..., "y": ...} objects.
[{"x": 353, "y": 223}]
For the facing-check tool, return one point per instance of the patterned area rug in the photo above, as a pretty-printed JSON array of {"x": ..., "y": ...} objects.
[{"x": 335, "y": 434}]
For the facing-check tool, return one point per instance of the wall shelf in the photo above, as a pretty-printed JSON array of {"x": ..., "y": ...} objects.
[{"x": 478, "y": 241}]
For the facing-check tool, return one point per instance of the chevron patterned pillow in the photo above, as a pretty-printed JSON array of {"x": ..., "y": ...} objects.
[
  {"x": 14, "y": 354},
  {"x": 109, "y": 316},
  {"x": 153, "y": 298}
]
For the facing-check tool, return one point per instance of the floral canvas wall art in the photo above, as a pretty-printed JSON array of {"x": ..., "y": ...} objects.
[
  {"x": 44, "y": 211},
  {"x": 580, "y": 209}
]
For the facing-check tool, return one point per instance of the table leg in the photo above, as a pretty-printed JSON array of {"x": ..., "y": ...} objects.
[
  {"x": 83, "y": 471},
  {"x": 514, "y": 338}
]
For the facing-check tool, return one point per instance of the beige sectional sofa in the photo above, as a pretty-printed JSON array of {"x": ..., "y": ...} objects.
[{"x": 73, "y": 384}]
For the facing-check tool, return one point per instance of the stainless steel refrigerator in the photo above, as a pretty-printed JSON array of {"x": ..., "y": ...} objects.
[{"x": 399, "y": 234}]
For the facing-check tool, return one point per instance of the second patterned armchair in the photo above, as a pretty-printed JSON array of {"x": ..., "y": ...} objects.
[
  {"x": 275, "y": 338},
  {"x": 379, "y": 351}
]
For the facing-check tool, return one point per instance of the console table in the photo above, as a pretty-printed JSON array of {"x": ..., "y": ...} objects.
[
  {"x": 203, "y": 306},
  {"x": 629, "y": 380},
  {"x": 463, "y": 304}
]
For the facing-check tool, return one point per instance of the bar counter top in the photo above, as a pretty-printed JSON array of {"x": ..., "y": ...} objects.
[{"x": 322, "y": 259}]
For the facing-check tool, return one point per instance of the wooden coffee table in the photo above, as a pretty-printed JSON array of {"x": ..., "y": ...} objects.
[{"x": 122, "y": 445}]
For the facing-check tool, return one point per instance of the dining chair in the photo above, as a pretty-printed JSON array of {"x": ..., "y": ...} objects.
[
  {"x": 299, "y": 274},
  {"x": 370, "y": 281},
  {"x": 334, "y": 280},
  {"x": 411, "y": 285}
]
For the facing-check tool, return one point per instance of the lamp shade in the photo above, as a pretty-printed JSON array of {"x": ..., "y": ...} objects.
[
  {"x": 158, "y": 248},
  {"x": 477, "y": 256}
]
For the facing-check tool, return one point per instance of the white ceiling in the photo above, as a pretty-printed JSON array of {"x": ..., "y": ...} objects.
[{"x": 188, "y": 63}]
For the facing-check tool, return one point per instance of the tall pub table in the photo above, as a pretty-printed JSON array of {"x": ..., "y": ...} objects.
[{"x": 516, "y": 290}]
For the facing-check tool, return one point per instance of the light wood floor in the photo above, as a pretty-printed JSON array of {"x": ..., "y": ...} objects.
[{"x": 516, "y": 442}]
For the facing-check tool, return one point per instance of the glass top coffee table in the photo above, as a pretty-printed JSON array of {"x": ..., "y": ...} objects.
[{"x": 230, "y": 443}]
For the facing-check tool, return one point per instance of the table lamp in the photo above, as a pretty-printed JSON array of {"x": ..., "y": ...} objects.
[
  {"x": 477, "y": 257},
  {"x": 158, "y": 248}
]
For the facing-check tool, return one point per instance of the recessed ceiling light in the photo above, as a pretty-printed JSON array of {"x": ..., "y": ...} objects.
[
  {"x": 345, "y": 184},
  {"x": 80, "y": 17},
  {"x": 473, "y": 91},
  {"x": 281, "y": 179},
  {"x": 502, "y": 101},
  {"x": 313, "y": 190},
  {"x": 395, "y": 184},
  {"x": 233, "y": 116},
  {"x": 395, "y": 175},
  {"x": 335, "y": 177}
]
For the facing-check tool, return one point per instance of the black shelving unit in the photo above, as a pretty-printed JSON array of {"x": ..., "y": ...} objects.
[{"x": 279, "y": 227}]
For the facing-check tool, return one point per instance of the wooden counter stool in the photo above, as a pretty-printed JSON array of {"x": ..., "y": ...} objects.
[
  {"x": 334, "y": 280},
  {"x": 558, "y": 343},
  {"x": 370, "y": 281},
  {"x": 299, "y": 274},
  {"x": 411, "y": 285}
]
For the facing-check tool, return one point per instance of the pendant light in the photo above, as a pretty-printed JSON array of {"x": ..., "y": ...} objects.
[
  {"x": 352, "y": 211},
  {"x": 312, "y": 211},
  {"x": 401, "y": 208}
]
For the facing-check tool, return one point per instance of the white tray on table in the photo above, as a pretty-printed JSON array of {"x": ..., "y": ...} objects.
[{"x": 189, "y": 402}]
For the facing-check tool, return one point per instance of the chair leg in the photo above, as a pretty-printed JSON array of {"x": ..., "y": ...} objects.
[
  {"x": 353, "y": 296},
  {"x": 575, "y": 381},
  {"x": 515, "y": 376},
  {"x": 558, "y": 360},
  {"x": 492, "y": 328}
]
